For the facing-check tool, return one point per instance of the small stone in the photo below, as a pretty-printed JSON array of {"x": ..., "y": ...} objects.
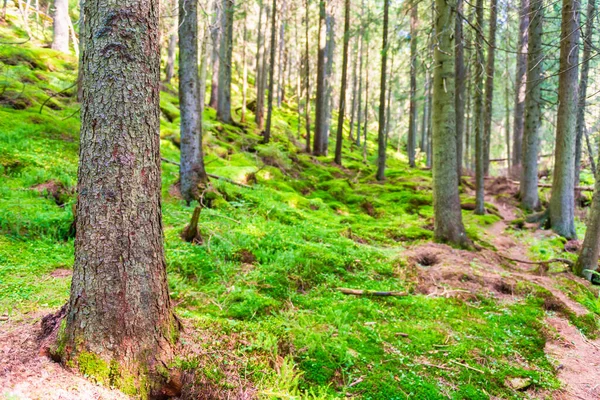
[{"x": 518, "y": 383}]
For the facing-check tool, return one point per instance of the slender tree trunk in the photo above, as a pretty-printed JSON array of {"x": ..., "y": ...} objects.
[
  {"x": 280, "y": 74},
  {"x": 260, "y": 48},
  {"x": 366, "y": 121},
  {"x": 448, "y": 226},
  {"x": 170, "y": 67},
  {"x": 245, "y": 69},
  {"x": 192, "y": 173},
  {"x": 489, "y": 87},
  {"x": 478, "y": 117},
  {"x": 307, "y": 71},
  {"x": 216, "y": 39},
  {"x": 590, "y": 249},
  {"x": 460, "y": 86},
  {"x": 225, "y": 62},
  {"x": 360, "y": 75},
  {"x": 330, "y": 50},
  {"x": 590, "y": 152},
  {"x": 204, "y": 59},
  {"x": 342, "y": 110},
  {"x": 353, "y": 92},
  {"x": 423, "y": 145},
  {"x": 321, "y": 101},
  {"x": 467, "y": 153},
  {"x": 412, "y": 121},
  {"x": 381, "y": 134},
  {"x": 562, "y": 202},
  {"x": 533, "y": 110},
  {"x": 119, "y": 315},
  {"x": 271, "y": 72},
  {"x": 520, "y": 85},
  {"x": 264, "y": 65},
  {"x": 60, "y": 39},
  {"x": 583, "y": 82}
]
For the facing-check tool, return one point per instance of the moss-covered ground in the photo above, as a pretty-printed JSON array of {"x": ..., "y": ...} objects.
[{"x": 272, "y": 255}]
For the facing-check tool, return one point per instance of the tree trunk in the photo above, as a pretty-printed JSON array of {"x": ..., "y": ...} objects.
[
  {"x": 271, "y": 73},
  {"x": 245, "y": 69},
  {"x": 342, "y": 110},
  {"x": 321, "y": 101},
  {"x": 382, "y": 93},
  {"x": 590, "y": 249},
  {"x": 448, "y": 226},
  {"x": 360, "y": 75},
  {"x": 520, "y": 85},
  {"x": 60, "y": 40},
  {"x": 460, "y": 85},
  {"x": 260, "y": 49},
  {"x": 170, "y": 67},
  {"x": 191, "y": 170},
  {"x": 225, "y": 61},
  {"x": 423, "y": 145},
  {"x": 562, "y": 202},
  {"x": 478, "y": 111},
  {"x": 583, "y": 82},
  {"x": 260, "y": 99},
  {"x": 120, "y": 327},
  {"x": 216, "y": 39},
  {"x": 533, "y": 111},
  {"x": 280, "y": 73},
  {"x": 366, "y": 121},
  {"x": 307, "y": 71},
  {"x": 330, "y": 50},
  {"x": 353, "y": 92},
  {"x": 489, "y": 87},
  {"x": 412, "y": 118}
]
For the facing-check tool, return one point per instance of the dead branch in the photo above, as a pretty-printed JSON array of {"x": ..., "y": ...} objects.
[
  {"x": 552, "y": 260},
  {"x": 222, "y": 178},
  {"x": 358, "y": 292}
]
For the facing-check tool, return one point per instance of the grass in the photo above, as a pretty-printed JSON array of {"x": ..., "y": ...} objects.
[{"x": 272, "y": 257}]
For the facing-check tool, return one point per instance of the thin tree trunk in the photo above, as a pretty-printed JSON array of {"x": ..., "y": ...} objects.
[
  {"x": 520, "y": 85},
  {"x": 307, "y": 71},
  {"x": 342, "y": 110},
  {"x": 267, "y": 136},
  {"x": 119, "y": 314},
  {"x": 448, "y": 226},
  {"x": 321, "y": 101},
  {"x": 216, "y": 39},
  {"x": 412, "y": 118},
  {"x": 170, "y": 67},
  {"x": 562, "y": 202},
  {"x": 225, "y": 62},
  {"x": 590, "y": 152},
  {"x": 353, "y": 92},
  {"x": 260, "y": 48},
  {"x": 460, "y": 85},
  {"x": 280, "y": 79},
  {"x": 489, "y": 87},
  {"x": 423, "y": 145},
  {"x": 60, "y": 39},
  {"x": 590, "y": 249},
  {"x": 478, "y": 117},
  {"x": 360, "y": 75},
  {"x": 381, "y": 134},
  {"x": 264, "y": 65},
  {"x": 245, "y": 69},
  {"x": 366, "y": 121}
]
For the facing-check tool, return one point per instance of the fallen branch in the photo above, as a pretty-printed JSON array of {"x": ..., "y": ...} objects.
[
  {"x": 552, "y": 260},
  {"x": 357, "y": 292},
  {"x": 467, "y": 366},
  {"x": 210, "y": 175},
  {"x": 549, "y": 185}
]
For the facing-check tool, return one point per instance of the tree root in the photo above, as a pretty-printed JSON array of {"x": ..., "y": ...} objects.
[{"x": 190, "y": 233}]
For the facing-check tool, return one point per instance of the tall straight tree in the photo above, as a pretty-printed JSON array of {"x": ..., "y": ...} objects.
[
  {"x": 448, "y": 226},
  {"x": 191, "y": 170},
  {"x": 520, "y": 85},
  {"x": 260, "y": 49},
  {"x": 381, "y": 137},
  {"x": 307, "y": 77},
  {"x": 460, "y": 86},
  {"x": 583, "y": 83},
  {"x": 171, "y": 49},
  {"x": 119, "y": 309},
  {"x": 412, "y": 118},
  {"x": 478, "y": 112},
  {"x": 342, "y": 110},
  {"x": 267, "y": 136},
  {"x": 489, "y": 86},
  {"x": 225, "y": 61},
  {"x": 533, "y": 111},
  {"x": 562, "y": 202},
  {"x": 321, "y": 101},
  {"x": 215, "y": 34},
  {"x": 590, "y": 249},
  {"x": 60, "y": 39}
]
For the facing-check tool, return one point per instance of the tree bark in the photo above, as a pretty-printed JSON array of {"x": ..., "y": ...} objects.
[
  {"x": 520, "y": 85},
  {"x": 321, "y": 100},
  {"x": 245, "y": 69},
  {"x": 281, "y": 65},
  {"x": 381, "y": 140},
  {"x": 412, "y": 118},
  {"x": 60, "y": 40},
  {"x": 448, "y": 226},
  {"x": 329, "y": 54},
  {"x": 460, "y": 85},
  {"x": 225, "y": 61},
  {"x": 478, "y": 113},
  {"x": 119, "y": 316},
  {"x": 489, "y": 87},
  {"x": 353, "y": 92},
  {"x": 267, "y": 136},
  {"x": 260, "y": 49},
  {"x": 216, "y": 39},
  {"x": 191, "y": 171},
  {"x": 342, "y": 110},
  {"x": 307, "y": 71},
  {"x": 360, "y": 74},
  {"x": 170, "y": 67},
  {"x": 590, "y": 249},
  {"x": 562, "y": 202},
  {"x": 533, "y": 112}
]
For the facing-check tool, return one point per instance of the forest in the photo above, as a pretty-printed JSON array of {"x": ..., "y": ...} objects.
[{"x": 310, "y": 199}]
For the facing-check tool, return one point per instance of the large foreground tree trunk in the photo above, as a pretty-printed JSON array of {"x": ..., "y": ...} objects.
[
  {"x": 448, "y": 226},
  {"x": 381, "y": 139},
  {"x": 120, "y": 327},
  {"x": 562, "y": 202},
  {"x": 533, "y": 111},
  {"x": 60, "y": 40},
  {"x": 520, "y": 86}
]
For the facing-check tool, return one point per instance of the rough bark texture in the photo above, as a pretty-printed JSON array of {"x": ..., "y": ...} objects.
[
  {"x": 583, "y": 83},
  {"x": 533, "y": 113},
  {"x": 381, "y": 140},
  {"x": 330, "y": 50},
  {"x": 448, "y": 226},
  {"x": 342, "y": 110},
  {"x": 267, "y": 136},
  {"x": 412, "y": 121},
  {"x": 460, "y": 85},
  {"x": 215, "y": 33},
  {"x": 562, "y": 202},
  {"x": 321, "y": 101},
  {"x": 590, "y": 249},
  {"x": 520, "y": 85},
  {"x": 60, "y": 40},
  {"x": 120, "y": 317},
  {"x": 489, "y": 87},
  {"x": 225, "y": 61},
  {"x": 191, "y": 170},
  {"x": 478, "y": 113}
]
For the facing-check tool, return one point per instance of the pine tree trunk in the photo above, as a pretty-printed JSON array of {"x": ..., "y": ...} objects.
[
  {"x": 448, "y": 226},
  {"x": 60, "y": 40},
  {"x": 382, "y": 88},
  {"x": 583, "y": 82},
  {"x": 245, "y": 69},
  {"x": 353, "y": 92},
  {"x": 216, "y": 39},
  {"x": 225, "y": 61},
  {"x": 520, "y": 86},
  {"x": 489, "y": 87},
  {"x": 267, "y": 136},
  {"x": 260, "y": 49},
  {"x": 360, "y": 75},
  {"x": 281, "y": 65},
  {"x": 342, "y": 110},
  {"x": 321, "y": 100},
  {"x": 264, "y": 68},
  {"x": 562, "y": 202},
  {"x": 533, "y": 111},
  {"x": 478, "y": 113},
  {"x": 423, "y": 145},
  {"x": 119, "y": 316},
  {"x": 460, "y": 86},
  {"x": 170, "y": 66},
  {"x": 329, "y": 54},
  {"x": 191, "y": 170},
  {"x": 590, "y": 249},
  {"x": 412, "y": 118},
  {"x": 307, "y": 71}
]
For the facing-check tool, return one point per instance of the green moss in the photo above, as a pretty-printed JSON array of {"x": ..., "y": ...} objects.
[{"x": 94, "y": 367}]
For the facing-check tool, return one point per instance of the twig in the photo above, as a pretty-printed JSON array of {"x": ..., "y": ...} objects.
[
  {"x": 357, "y": 292},
  {"x": 211, "y": 175},
  {"x": 552, "y": 260},
  {"x": 467, "y": 366},
  {"x": 436, "y": 366}
]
